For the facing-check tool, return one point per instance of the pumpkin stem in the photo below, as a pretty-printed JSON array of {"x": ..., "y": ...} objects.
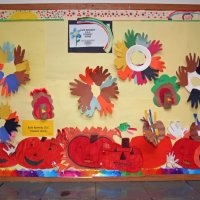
[
  {"x": 93, "y": 138},
  {"x": 43, "y": 139},
  {"x": 125, "y": 142}
]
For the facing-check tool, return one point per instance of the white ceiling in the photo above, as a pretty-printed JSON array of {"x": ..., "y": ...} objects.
[{"x": 101, "y": 1}]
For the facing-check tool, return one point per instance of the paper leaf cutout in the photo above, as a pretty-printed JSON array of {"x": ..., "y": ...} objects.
[
  {"x": 11, "y": 82},
  {"x": 165, "y": 91},
  {"x": 42, "y": 104},
  {"x": 136, "y": 42},
  {"x": 185, "y": 75},
  {"x": 89, "y": 100},
  {"x": 11, "y": 123}
]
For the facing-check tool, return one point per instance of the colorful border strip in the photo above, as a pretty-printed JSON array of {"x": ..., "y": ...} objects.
[
  {"x": 94, "y": 173},
  {"x": 30, "y": 15}
]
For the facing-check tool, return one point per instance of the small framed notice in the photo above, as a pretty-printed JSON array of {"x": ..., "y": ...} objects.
[{"x": 90, "y": 36}]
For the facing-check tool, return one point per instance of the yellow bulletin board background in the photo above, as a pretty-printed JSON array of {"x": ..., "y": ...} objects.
[{"x": 52, "y": 67}]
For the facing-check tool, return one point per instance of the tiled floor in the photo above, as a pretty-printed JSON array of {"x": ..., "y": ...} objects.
[{"x": 176, "y": 190}]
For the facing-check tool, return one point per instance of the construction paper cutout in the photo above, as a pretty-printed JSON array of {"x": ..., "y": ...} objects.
[
  {"x": 172, "y": 162},
  {"x": 7, "y": 155},
  {"x": 150, "y": 74},
  {"x": 122, "y": 157},
  {"x": 184, "y": 150},
  {"x": 11, "y": 82},
  {"x": 88, "y": 100},
  {"x": 94, "y": 148},
  {"x": 42, "y": 104},
  {"x": 175, "y": 131},
  {"x": 194, "y": 98},
  {"x": 10, "y": 123},
  {"x": 152, "y": 156},
  {"x": 165, "y": 91},
  {"x": 136, "y": 42},
  {"x": 153, "y": 130},
  {"x": 86, "y": 152},
  {"x": 8, "y": 49},
  {"x": 186, "y": 74},
  {"x": 195, "y": 131},
  {"x": 68, "y": 134},
  {"x": 142, "y": 40},
  {"x": 123, "y": 128},
  {"x": 197, "y": 156},
  {"x": 34, "y": 153}
]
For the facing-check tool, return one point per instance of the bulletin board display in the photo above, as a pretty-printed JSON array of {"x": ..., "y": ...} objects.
[{"x": 97, "y": 96}]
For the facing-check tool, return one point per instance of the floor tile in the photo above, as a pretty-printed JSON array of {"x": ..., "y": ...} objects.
[{"x": 121, "y": 191}]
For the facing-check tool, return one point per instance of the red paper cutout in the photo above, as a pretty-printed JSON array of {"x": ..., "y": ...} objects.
[
  {"x": 122, "y": 157},
  {"x": 155, "y": 47},
  {"x": 42, "y": 104},
  {"x": 7, "y": 158},
  {"x": 34, "y": 153},
  {"x": 184, "y": 150},
  {"x": 86, "y": 151},
  {"x": 152, "y": 156}
]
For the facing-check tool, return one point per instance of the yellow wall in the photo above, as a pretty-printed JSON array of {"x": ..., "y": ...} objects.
[{"x": 53, "y": 67}]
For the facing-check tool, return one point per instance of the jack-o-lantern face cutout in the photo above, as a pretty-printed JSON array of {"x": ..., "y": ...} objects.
[
  {"x": 38, "y": 154},
  {"x": 86, "y": 151},
  {"x": 122, "y": 157},
  {"x": 7, "y": 156},
  {"x": 184, "y": 150}
]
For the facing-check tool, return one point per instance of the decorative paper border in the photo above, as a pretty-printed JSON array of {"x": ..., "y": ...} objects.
[
  {"x": 94, "y": 173},
  {"x": 29, "y": 15}
]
